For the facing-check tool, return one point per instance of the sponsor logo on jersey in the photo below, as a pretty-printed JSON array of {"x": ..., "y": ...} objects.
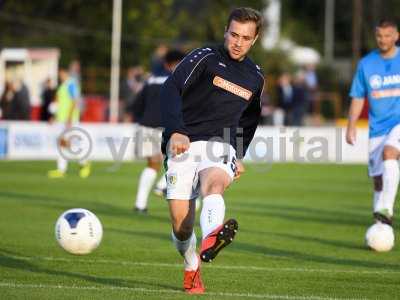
[
  {"x": 222, "y": 64},
  {"x": 232, "y": 88},
  {"x": 391, "y": 79},
  {"x": 376, "y": 81},
  {"x": 386, "y": 93}
]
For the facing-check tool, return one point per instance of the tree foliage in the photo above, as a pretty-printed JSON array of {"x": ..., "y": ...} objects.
[{"x": 82, "y": 28}]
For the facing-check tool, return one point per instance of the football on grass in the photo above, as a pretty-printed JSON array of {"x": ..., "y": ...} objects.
[
  {"x": 78, "y": 231},
  {"x": 380, "y": 237}
]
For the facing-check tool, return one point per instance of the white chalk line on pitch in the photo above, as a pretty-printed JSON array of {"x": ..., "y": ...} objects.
[
  {"x": 231, "y": 267},
  {"x": 164, "y": 291}
]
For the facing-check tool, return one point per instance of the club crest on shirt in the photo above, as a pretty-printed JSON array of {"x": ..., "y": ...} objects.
[
  {"x": 171, "y": 179},
  {"x": 375, "y": 81},
  {"x": 232, "y": 88}
]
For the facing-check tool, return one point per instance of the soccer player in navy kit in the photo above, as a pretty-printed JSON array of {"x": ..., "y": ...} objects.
[
  {"x": 146, "y": 111},
  {"x": 378, "y": 80},
  {"x": 210, "y": 110}
]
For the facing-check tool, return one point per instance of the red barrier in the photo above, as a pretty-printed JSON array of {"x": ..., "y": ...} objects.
[
  {"x": 35, "y": 113},
  {"x": 94, "y": 109}
]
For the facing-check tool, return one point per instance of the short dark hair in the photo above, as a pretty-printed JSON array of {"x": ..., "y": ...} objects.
[
  {"x": 386, "y": 23},
  {"x": 173, "y": 55},
  {"x": 246, "y": 14}
]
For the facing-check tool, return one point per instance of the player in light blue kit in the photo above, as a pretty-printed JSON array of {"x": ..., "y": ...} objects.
[{"x": 378, "y": 80}]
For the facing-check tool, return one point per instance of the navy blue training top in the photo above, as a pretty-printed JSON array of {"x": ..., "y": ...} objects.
[
  {"x": 209, "y": 92},
  {"x": 147, "y": 108}
]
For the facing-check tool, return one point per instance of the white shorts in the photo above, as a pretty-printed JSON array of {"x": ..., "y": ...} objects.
[
  {"x": 148, "y": 141},
  {"x": 375, "y": 149},
  {"x": 182, "y": 171}
]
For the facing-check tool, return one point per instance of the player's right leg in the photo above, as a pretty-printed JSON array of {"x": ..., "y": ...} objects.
[
  {"x": 147, "y": 146},
  {"x": 377, "y": 197},
  {"x": 62, "y": 163},
  {"x": 161, "y": 186},
  {"x": 182, "y": 217},
  {"x": 181, "y": 192},
  {"x": 146, "y": 181}
]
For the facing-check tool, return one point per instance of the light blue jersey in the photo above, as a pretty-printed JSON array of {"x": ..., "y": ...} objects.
[
  {"x": 73, "y": 89},
  {"x": 378, "y": 80}
]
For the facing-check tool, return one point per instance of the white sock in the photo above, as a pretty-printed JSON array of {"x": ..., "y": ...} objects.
[
  {"x": 146, "y": 181},
  {"x": 377, "y": 199},
  {"x": 162, "y": 183},
  {"x": 62, "y": 164},
  {"x": 390, "y": 180},
  {"x": 212, "y": 214},
  {"x": 188, "y": 250}
]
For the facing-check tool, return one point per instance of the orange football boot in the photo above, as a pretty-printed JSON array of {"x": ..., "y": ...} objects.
[
  {"x": 192, "y": 282},
  {"x": 217, "y": 240}
]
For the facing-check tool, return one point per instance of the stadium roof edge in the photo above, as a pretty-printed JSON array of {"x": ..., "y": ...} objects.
[{"x": 22, "y": 54}]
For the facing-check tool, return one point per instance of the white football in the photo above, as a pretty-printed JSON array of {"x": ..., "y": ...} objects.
[
  {"x": 380, "y": 237},
  {"x": 78, "y": 231}
]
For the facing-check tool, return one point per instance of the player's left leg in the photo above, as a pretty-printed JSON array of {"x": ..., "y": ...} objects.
[
  {"x": 390, "y": 180},
  {"x": 216, "y": 172},
  {"x": 161, "y": 186},
  {"x": 85, "y": 168},
  {"x": 62, "y": 163},
  {"x": 390, "y": 176},
  {"x": 375, "y": 169},
  {"x": 377, "y": 196},
  {"x": 216, "y": 233}
]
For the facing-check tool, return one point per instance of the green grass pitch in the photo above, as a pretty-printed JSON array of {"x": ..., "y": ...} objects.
[{"x": 301, "y": 236}]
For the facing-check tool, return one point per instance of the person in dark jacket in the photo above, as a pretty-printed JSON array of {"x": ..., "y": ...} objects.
[
  {"x": 285, "y": 96},
  {"x": 146, "y": 112},
  {"x": 48, "y": 97}
]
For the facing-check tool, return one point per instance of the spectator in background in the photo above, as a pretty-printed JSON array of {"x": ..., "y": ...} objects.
[
  {"x": 310, "y": 78},
  {"x": 300, "y": 100},
  {"x": 22, "y": 101},
  {"x": 267, "y": 109},
  {"x": 130, "y": 87},
  {"x": 285, "y": 95},
  {"x": 157, "y": 60},
  {"x": 15, "y": 103},
  {"x": 47, "y": 97},
  {"x": 6, "y": 101},
  {"x": 311, "y": 84}
]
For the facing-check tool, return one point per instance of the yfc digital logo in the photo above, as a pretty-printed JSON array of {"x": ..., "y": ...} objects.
[
  {"x": 75, "y": 143},
  {"x": 375, "y": 81}
]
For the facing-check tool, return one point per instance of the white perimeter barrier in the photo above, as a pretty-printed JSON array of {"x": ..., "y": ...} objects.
[{"x": 108, "y": 142}]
